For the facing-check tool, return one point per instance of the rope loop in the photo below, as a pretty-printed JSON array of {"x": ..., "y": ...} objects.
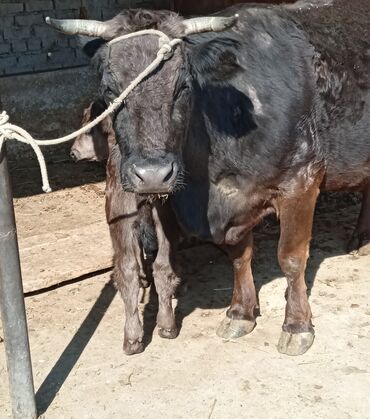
[{"x": 13, "y": 132}]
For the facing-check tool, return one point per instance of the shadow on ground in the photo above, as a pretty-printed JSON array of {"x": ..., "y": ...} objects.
[
  {"x": 59, "y": 373},
  {"x": 64, "y": 174},
  {"x": 209, "y": 276}
]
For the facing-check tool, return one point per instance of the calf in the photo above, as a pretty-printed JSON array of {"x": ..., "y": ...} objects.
[
  {"x": 95, "y": 144},
  {"x": 144, "y": 235},
  {"x": 134, "y": 225}
]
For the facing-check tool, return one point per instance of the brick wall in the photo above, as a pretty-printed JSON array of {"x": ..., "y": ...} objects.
[{"x": 27, "y": 44}]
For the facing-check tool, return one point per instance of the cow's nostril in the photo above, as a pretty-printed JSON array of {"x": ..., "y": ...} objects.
[
  {"x": 74, "y": 156},
  {"x": 140, "y": 178},
  {"x": 169, "y": 174},
  {"x": 139, "y": 173}
]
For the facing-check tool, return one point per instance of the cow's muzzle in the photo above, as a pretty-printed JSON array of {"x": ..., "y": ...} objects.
[{"x": 151, "y": 176}]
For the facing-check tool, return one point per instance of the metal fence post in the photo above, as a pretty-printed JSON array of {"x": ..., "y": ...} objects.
[{"x": 13, "y": 313}]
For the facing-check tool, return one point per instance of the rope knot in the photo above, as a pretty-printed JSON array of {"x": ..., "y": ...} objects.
[
  {"x": 166, "y": 47},
  {"x": 166, "y": 52}
]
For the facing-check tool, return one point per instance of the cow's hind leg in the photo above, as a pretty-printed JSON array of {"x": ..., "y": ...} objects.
[
  {"x": 165, "y": 278},
  {"x": 240, "y": 317},
  {"x": 360, "y": 241},
  {"x": 296, "y": 218}
]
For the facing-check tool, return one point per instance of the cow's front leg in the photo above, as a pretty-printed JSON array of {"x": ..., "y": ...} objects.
[
  {"x": 296, "y": 218},
  {"x": 240, "y": 317},
  {"x": 165, "y": 278}
]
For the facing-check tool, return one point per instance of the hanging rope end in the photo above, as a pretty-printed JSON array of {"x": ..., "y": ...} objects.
[{"x": 47, "y": 189}]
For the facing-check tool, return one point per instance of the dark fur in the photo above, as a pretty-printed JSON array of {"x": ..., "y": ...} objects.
[{"x": 259, "y": 118}]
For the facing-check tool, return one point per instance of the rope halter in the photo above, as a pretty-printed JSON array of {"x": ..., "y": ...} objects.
[
  {"x": 9, "y": 131},
  {"x": 95, "y": 28}
]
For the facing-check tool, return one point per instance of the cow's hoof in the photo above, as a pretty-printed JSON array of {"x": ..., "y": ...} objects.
[
  {"x": 233, "y": 329},
  {"x": 167, "y": 333},
  {"x": 359, "y": 244},
  {"x": 295, "y": 343},
  {"x": 132, "y": 347}
]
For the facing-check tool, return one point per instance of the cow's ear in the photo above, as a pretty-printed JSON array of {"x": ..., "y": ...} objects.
[
  {"x": 90, "y": 46},
  {"x": 97, "y": 108},
  {"x": 215, "y": 60}
]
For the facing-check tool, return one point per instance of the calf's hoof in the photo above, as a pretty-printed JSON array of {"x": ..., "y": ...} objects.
[
  {"x": 167, "y": 333},
  {"x": 233, "y": 328},
  {"x": 295, "y": 343},
  {"x": 133, "y": 346}
]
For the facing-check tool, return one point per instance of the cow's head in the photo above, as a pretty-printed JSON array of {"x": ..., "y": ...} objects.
[{"x": 151, "y": 126}]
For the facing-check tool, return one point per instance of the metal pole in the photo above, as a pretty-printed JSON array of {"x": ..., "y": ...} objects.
[{"x": 13, "y": 312}]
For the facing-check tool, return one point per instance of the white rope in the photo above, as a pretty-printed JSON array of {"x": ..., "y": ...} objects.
[{"x": 9, "y": 131}]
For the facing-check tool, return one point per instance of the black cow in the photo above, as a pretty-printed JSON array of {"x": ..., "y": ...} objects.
[{"x": 254, "y": 120}]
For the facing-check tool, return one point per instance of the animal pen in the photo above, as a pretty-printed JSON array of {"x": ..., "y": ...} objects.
[{"x": 33, "y": 62}]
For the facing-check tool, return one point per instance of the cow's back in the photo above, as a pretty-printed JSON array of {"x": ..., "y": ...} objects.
[{"x": 340, "y": 34}]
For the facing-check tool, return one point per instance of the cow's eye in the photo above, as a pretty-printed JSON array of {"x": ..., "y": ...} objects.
[
  {"x": 182, "y": 92},
  {"x": 109, "y": 95}
]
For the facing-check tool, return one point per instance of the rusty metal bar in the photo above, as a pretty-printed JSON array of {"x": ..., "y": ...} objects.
[{"x": 12, "y": 307}]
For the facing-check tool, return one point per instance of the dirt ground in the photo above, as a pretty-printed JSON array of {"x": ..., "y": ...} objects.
[{"x": 80, "y": 370}]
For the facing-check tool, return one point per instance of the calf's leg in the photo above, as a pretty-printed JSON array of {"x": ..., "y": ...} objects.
[
  {"x": 240, "y": 317},
  {"x": 121, "y": 212},
  {"x": 360, "y": 240},
  {"x": 165, "y": 278},
  {"x": 296, "y": 218},
  {"x": 126, "y": 278}
]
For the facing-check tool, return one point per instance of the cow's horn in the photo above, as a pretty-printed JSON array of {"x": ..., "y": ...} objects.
[
  {"x": 78, "y": 26},
  {"x": 209, "y": 24}
]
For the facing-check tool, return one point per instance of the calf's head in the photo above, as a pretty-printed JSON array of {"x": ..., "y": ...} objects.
[
  {"x": 94, "y": 144},
  {"x": 151, "y": 125}
]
